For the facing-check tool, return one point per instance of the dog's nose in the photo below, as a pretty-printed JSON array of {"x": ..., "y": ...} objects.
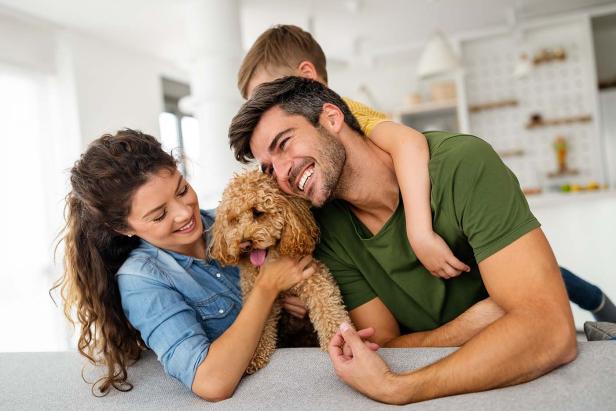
[{"x": 246, "y": 246}]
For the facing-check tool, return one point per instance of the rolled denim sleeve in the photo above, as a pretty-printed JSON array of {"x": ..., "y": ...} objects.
[{"x": 168, "y": 325}]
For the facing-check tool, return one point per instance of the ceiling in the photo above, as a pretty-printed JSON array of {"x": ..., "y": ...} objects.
[{"x": 343, "y": 27}]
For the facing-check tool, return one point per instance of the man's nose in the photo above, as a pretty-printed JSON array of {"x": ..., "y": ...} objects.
[{"x": 281, "y": 169}]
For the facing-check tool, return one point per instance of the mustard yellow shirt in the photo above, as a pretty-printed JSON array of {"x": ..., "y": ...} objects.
[{"x": 367, "y": 117}]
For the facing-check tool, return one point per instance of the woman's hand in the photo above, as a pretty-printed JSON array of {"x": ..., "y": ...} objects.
[
  {"x": 280, "y": 274},
  {"x": 294, "y": 306}
]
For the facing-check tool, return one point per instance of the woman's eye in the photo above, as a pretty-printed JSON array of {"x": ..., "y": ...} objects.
[
  {"x": 160, "y": 218},
  {"x": 184, "y": 191}
]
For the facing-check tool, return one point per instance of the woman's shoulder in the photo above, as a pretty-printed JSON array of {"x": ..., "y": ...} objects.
[{"x": 147, "y": 261}]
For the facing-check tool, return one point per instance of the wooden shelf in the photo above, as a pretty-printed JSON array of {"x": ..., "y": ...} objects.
[
  {"x": 560, "y": 121},
  {"x": 474, "y": 108},
  {"x": 516, "y": 152},
  {"x": 432, "y": 107}
]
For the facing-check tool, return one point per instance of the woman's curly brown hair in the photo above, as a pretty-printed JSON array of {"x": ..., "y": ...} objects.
[{"x": 103, "y": 182}]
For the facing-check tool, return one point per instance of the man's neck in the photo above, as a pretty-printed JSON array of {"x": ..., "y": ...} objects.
[{"x": 368, "y": 181}]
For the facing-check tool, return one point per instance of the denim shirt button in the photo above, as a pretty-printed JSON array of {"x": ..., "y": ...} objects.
[
  {"x": 217, "y": 275},
  {"x": 221, "y": 311}
]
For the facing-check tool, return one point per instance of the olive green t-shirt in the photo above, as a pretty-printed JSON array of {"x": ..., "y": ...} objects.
[{"x": 477, "y": 208}]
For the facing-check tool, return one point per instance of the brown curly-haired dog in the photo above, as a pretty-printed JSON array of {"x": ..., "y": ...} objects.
[{"x": 253, "y": 209}]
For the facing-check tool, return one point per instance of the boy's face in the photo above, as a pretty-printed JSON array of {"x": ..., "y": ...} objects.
[{"x": 267, "y": 74}]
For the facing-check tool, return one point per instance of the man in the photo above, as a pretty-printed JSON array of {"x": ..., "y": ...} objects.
[{"x": 304, "y": 135}]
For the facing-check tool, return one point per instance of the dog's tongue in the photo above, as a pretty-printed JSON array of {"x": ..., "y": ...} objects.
[{"x": 257, "y": 257}]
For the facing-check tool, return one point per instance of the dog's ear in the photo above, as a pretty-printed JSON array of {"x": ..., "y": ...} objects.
[
  {"x": 219, "y": 249},
  {"x": 300, "y": 232}
]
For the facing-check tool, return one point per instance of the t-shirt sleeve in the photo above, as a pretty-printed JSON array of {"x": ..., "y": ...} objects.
[
  {"x": 490, "y": 206},
  {"x": 354, "y": 288},
  {"x": 367, "y": 117},
  {"x": 168, "y": 325}
]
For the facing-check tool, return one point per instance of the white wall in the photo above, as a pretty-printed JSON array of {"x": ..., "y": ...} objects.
[
  {"x": 115, "y": 87},
  {"x": 61, "y": 89},
  {"x": 26, "y": 43},
  {"x": 580, "y": 228}
]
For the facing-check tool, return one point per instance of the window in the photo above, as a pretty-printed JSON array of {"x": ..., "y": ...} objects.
[
  {"x": 31, "y": 210},
  {"x": 179, "y": 132}
]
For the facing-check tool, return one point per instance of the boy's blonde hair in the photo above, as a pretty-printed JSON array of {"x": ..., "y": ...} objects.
[{"x": 281, "y": 46}]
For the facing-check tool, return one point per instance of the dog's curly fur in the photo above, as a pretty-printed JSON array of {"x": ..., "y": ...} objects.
[{"x": 254, "y": 208}]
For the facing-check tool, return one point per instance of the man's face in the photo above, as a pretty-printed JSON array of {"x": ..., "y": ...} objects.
[{"x": 305, "y": 161}]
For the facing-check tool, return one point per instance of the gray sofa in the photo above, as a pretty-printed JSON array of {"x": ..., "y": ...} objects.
[{"x": 296, "y": 379}]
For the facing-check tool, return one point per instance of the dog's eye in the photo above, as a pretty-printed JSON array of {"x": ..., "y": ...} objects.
[{"x": 256, "y": 213}]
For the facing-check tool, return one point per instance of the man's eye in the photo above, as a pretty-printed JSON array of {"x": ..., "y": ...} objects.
[{"x": 284, "y": 143}]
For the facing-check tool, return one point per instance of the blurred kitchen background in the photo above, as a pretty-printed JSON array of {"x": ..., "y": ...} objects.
[{"x": 535, "y": 78}]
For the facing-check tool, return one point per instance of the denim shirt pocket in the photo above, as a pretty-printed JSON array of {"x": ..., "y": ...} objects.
[{"x": 216, "y": 314}]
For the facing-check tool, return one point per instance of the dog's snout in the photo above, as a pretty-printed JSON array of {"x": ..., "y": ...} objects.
[{"x": 246, "y": 246}]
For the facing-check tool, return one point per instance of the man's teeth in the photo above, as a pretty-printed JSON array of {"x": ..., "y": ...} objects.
[{"x": 307, "y": 174}]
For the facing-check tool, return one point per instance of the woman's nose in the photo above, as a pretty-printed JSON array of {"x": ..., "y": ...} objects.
[{"x": 184, "y": 212}]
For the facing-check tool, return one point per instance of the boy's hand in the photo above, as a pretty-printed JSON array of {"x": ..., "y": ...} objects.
[{"x": 435, "y": 255}]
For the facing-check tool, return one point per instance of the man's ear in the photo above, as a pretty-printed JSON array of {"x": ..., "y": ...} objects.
[
  {"x": 331, "y": 118},
  {"x": 307, "y": 70}
]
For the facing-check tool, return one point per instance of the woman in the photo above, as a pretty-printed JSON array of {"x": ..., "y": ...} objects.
[{"x": 137, "y": 272}]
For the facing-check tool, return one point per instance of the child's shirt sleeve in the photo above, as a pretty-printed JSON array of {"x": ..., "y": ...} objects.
[{"x": 367, "y": 117}]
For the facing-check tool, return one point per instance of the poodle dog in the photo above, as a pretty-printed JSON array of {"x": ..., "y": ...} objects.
[{"x": 254, "y": 211}]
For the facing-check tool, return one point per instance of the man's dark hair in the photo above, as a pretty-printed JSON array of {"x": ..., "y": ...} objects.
[{"x": 295, "y": 95}]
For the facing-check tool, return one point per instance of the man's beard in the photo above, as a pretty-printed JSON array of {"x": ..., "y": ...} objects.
[{"x": 332, "y": 156}]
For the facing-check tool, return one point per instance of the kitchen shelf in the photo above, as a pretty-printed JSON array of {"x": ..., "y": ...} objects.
[
  {"x": 474, "y": 108},
  {"x": 429, "y": 108},
  {"x": 559, "y": 121}
]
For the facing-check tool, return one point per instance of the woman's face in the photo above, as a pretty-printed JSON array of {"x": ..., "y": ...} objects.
[{"x": 165, "y": 212}]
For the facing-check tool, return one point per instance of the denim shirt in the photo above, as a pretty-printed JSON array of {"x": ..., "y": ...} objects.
[{"x": 179, "y": 304}]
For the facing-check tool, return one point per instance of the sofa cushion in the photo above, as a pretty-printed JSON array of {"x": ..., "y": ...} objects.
[{"x": 296, "y": 379}]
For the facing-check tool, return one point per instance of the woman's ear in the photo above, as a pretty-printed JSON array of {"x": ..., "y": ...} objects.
[{"x": 300, "y": 232}]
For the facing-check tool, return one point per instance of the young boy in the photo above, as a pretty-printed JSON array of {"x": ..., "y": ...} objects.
[{"x": 287, "y": 50}]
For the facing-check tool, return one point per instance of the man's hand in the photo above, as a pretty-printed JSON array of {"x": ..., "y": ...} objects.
[
  {"x": 364, "y": 335},
  {"x": 361, "y": 367}
]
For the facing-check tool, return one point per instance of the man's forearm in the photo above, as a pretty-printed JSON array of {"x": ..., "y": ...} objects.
[
  {"x": 519, "y": 347},
  {"x": 456, "y": 332}
]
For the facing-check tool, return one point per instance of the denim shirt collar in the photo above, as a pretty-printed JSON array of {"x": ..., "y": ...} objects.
[{"x": 207, "y": 216}]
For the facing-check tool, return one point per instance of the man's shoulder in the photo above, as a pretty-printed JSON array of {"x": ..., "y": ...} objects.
[
  {"x": 453, "y": 153},
  {"x": 447, "y": 142}
]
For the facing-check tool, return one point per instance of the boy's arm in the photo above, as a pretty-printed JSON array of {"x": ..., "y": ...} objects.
[{"x": 409, "y": 151}]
